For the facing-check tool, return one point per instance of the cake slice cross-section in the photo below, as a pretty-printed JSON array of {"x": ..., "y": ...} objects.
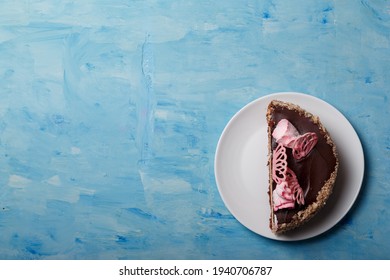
[{"x": 303, "y": 165}]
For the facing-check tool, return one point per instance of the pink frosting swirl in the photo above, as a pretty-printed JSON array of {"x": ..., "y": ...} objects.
[
  {"x": 288, "y": 192},
  {"x": 282, "y": 197}
]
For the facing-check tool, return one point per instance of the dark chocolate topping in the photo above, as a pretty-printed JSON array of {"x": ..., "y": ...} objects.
[{"x": 312, "y": 171}]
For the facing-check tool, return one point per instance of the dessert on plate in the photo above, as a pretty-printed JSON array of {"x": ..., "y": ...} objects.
[{"x": 303, "y": 164}]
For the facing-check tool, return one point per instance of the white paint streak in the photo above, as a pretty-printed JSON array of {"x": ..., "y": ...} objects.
[
  {"x": 87, "y": 191},
  {"x": 161, "y": 114},
  {"x": 54, "y": 181},
  {"x": 167, "y": 185},
  {"x": 17, "y": 181},
  {"x": 75, "y": 151},
  {"x": 209, "y": 26}
]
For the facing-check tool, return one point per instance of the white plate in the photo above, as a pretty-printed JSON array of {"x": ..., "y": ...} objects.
[{"x": 242, "y": 175}]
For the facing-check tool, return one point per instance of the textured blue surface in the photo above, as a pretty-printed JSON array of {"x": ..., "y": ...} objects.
[{"x": 110, "y": 112}]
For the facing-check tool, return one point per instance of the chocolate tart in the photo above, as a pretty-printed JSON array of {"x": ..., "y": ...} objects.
[{"x": 315, "y": 173}]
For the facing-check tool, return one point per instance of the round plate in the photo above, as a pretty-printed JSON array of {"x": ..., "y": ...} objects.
[{"x": 241, "y": 170}]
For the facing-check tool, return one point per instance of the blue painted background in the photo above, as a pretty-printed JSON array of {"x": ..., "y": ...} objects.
[{"x": 110, "y": 112}]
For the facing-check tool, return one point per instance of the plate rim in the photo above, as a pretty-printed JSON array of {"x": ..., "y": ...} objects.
[{"x": 281, "y": 95}]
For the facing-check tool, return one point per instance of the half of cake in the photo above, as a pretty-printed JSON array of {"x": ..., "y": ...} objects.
[{"x": 303, "y": 164}]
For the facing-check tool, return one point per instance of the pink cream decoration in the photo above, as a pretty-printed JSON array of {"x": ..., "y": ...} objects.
[
  {"x": 282, "y": 197},
  {"x": 285, "y": 133},
  {"x": 279, "y": 164},
  {"x": 304, "y": 144},
  {"x": 296, "y": 189},
  {"x": 288, "y": 192}
]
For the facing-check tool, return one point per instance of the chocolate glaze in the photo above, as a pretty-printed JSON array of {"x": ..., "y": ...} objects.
[{"x": 312, "y": 171}]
